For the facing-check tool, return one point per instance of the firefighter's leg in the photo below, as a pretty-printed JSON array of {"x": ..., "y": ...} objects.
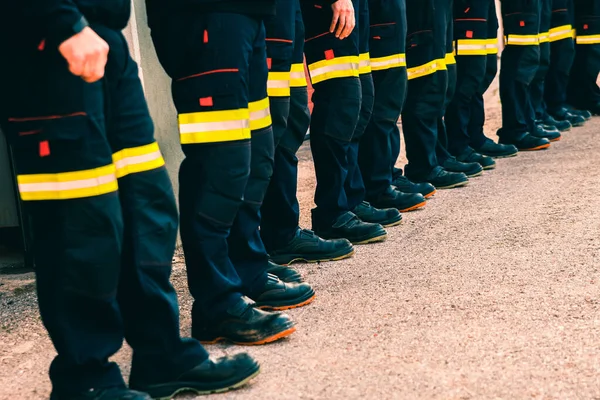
[
  {"x": 56, "y": 125},
  {"x": 146, "y": 297}
]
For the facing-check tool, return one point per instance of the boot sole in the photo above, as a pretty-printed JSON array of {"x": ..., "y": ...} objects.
[
  {"x": 542, "y": 147},
  {"x": 475, "y": 175},
  {"x": 391, "y": 224},
  {"x": 503, "y": 156},
  {"x": 273, "y": 338},
  {"x": 290, "y": 306},
  {"x": 456, "y": 185},
  {"x": 296, "y": 259},
  {"x": 556, "y": 140},
  {"x": 201, "y": 392},
  {"x": 430, "y": 195},
  {"x": 489, "y": 167},
  {"x": 376, "y": 239},
  {"x": 415, "y": 207}
]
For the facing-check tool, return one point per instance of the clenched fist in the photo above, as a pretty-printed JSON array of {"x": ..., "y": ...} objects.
[
  {"x": 86, "y": 53},
  {"x": 343, "y": 18}
]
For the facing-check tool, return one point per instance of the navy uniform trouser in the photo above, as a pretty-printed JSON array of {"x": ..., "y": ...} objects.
[
  {"x": 519, "y": 65},
  {"x": 583, "y": 90},
  {"x": 427, "y": 84},
  {"x": 334, "y": 69},
  {"x": 380, "y": 145},
  {"x": 218, "y": 65},
  {"x": 354, "y": 185},
  {"x": 471, "y": 34},
  {"x": 562, "y": 55},
  {"x": 442, "y": 144},
  {"x": 280, "y": 210},
  {"x": 539, "y": 82},
  {"x": 476, "y": 136},
  {"x": 103, "y": 217}
]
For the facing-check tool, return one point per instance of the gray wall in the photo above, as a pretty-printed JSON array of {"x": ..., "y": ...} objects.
[{"x": 157, "y": 87}]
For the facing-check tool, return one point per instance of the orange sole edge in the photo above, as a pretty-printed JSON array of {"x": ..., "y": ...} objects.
[
  {"x": 415, "y": 207},
  {"x": 430, "y": 195},
  {"x": 283, "y": 308},
  {"x": 270, "y": 339},
  {"x": 542, "y": 147}
]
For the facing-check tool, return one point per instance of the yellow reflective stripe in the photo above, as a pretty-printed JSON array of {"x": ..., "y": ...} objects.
[
  {"x": 471, "y": 47},
  {"x": 492, "y": 46},
  {"x": 339, "y": 67},
  {"x": 560, "y": 33},
  {"x": 449, "y": 60},
  {"x": 426, "y": 69},
  {"x": 260, "y": 114},
  {"x": 68, "y": 185},
  {"x": 544, "y": 37},
  {"x": 393, "y": 61},
  {"x": 214, "y": 126},
  {"x": 364, "y": 63},
  {"x": 278, "y": 84},
  {"x": 588, "y": 39},
  {"x": 297, "y": 76},
  {"x": 138, "y": 159},
  {"x": 523, "y": 40},
  {"x": 573, "y": 33}
]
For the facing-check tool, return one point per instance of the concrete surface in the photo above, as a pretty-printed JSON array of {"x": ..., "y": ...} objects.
[{"x": 490, "y": 292}]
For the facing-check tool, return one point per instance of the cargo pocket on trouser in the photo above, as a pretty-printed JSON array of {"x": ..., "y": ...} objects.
[
  {"x": 336, "y": 110},
  {"x": 53, "y": 160},
  {"x": 68, "y": 184}
]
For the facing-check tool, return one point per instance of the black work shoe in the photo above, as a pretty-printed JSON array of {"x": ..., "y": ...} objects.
[
  {"x": 471, "y": 169},
  {"x": 582, "y": 113},
  {"x": 561, "y": 126},
  {"x": 551, "y": 135},
  {"x": 564, "y": 115},
  {"x": 471, "y": 156},
  {"x": 403, "y": 185},
  {"x": 245, "y": 324},
  {"x": 393, "y": 198},
  {"x": 286, "y": 274},
  {"x": 528, "y": 143},
  {"x": 386, "y": 217},
  {"x": 278, "y": 295},
  {"x": 211, "y": 376},
  {"x": 119, "y": 393},
  {"x": 496, "y": 150},
  {"x": 443, "y": 179},
  {"x": 308, "y": 247},
  {"x": 349, "y": 226}
]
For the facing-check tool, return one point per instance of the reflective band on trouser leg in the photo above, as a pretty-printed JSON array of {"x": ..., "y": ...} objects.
[
  {"x": 523, "y": 40},
  {"x": 393, "y": 61},
  {"x": 544, "y": 37},
  {"x": 426, "y": 69},
  {"x": 214, "y": 126},
  {"x": 588, "y": 39},
  {"x": 491, "y": 46},
  {"x": 471, "y": 47},
  {"x": 340, "y": 67},
  {"x": 449, "y": 60},
  {"x": 278, "y": 84},
  {"x": 561, "y": 32},
  {"x": 297, "y": 76},
  {"x": 260, "y": 114},
  {"x": 68, "y": 185},
  {"x": 364, "y": 63},
  {"x": 138, "y": 159}
]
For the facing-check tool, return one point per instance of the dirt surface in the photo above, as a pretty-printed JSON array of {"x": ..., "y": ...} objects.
[{"x": 491, "y": 291}]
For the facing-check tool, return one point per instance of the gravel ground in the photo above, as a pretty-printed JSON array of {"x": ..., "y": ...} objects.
[{"x": 490, "y": 292}]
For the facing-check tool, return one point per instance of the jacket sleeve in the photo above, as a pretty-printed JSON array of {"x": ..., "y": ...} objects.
[{"x": 57, "y": 20}]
